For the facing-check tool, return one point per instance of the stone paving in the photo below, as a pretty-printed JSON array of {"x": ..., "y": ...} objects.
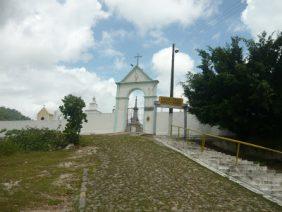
[{"x": 137, "y": 174}]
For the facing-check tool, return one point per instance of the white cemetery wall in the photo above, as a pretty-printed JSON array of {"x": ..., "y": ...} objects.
[
  {"x": 98, "y": 123},
  {"x": 51, "y": 124},
  {"x": 178, "y": 120}
]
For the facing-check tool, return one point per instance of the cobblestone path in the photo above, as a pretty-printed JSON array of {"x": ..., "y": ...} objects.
[{"x": 136, "y": 174}]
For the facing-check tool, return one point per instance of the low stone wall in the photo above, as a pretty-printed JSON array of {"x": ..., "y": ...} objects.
[{"x": 245, "y": 151}]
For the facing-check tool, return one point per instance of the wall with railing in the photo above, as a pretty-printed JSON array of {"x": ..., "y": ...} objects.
[
  {"x": 178, "y": 119},
  {"x": 178, "y": 131}
]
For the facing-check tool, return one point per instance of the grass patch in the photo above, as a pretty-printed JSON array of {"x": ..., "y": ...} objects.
[
  {"x": 41, "y": 180},
  {"x": 7, "y": 148},
  {"x": 33, "y": 185}
]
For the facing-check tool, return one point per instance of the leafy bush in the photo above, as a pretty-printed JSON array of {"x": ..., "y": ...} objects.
[
  {"x": 72, "y": 137},
  {"x": 73, "y": 113},
  {"x": 239, "y": 87},
  {"x": 7, "y": 148},
  {"x": 33, "y": 139}
]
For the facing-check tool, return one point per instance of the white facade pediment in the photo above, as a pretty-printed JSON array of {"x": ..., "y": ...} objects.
[{"x": 136, "y": 75}]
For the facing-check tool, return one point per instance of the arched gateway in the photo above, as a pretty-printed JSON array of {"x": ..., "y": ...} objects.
[{"x": 136, "y": 79}]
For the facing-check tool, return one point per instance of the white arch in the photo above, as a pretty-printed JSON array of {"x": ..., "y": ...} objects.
[
  {"x": 135, "y": 89},
  {"x": 136, "y": 79}
]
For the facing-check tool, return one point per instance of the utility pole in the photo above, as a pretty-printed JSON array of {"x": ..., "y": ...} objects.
[{"x": 171, "y": 90}]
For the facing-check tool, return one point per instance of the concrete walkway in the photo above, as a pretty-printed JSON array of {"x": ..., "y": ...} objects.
[
  {"x": 134, "y": 173},
  {"x": 252, "y": 175}
]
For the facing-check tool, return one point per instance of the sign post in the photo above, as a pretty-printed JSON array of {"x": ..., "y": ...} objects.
[{"x": 170, "y": 102}]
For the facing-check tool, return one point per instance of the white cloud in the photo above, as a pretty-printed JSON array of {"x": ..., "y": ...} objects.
[
  {"x": 120, "y": 63},
  {"x": 237, "y": 26},
  {"x": 148, "y": 14},
  {"x": 106, "y": 46},
  {"x": 157, "y": 38},
  {"x": 40, "y": 33},
  {"x": 216, "y": 36},
  {"x": 261, "y": 15},
  {"x": 162, "y": 65},
  {"x": 36, "y": 36},
  {"x": 27, "y": 90}
]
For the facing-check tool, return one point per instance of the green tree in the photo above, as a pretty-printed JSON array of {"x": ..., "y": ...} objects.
[
  {"x": 239, "y": 87},
  {"x": 73, "y": 113},
  {"x": 7, "y": 114}
]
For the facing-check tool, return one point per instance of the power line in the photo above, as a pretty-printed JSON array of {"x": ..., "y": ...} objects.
[
  {"x": 230, "y": 12},
  {"x": 227, "y": 14}
]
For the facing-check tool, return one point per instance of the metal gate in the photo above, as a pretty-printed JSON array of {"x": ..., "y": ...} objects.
[{"x": 130, "y": 115}]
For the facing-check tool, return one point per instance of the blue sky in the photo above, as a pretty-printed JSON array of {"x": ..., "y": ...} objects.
[
  {"x": 215, "y": 31},
  {"x": 51, "y": 48},
  {"x": 187, "y": 39}
]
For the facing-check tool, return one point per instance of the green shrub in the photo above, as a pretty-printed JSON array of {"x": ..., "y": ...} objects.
[
  {"x": 73, "y": 113},
  {"x": 7, "y": 148},
  {"x": 72, "y": 137},
  {"x": 33, "y": 139}
]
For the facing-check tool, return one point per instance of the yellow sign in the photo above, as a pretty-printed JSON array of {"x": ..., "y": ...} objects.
[{"x": 178, "y": 102}]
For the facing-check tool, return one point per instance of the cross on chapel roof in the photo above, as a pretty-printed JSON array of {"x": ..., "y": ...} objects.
[{"x": 137, "y": 58}]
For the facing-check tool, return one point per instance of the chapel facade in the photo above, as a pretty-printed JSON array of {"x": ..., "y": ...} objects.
[{"x": 44, "y": 115}]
